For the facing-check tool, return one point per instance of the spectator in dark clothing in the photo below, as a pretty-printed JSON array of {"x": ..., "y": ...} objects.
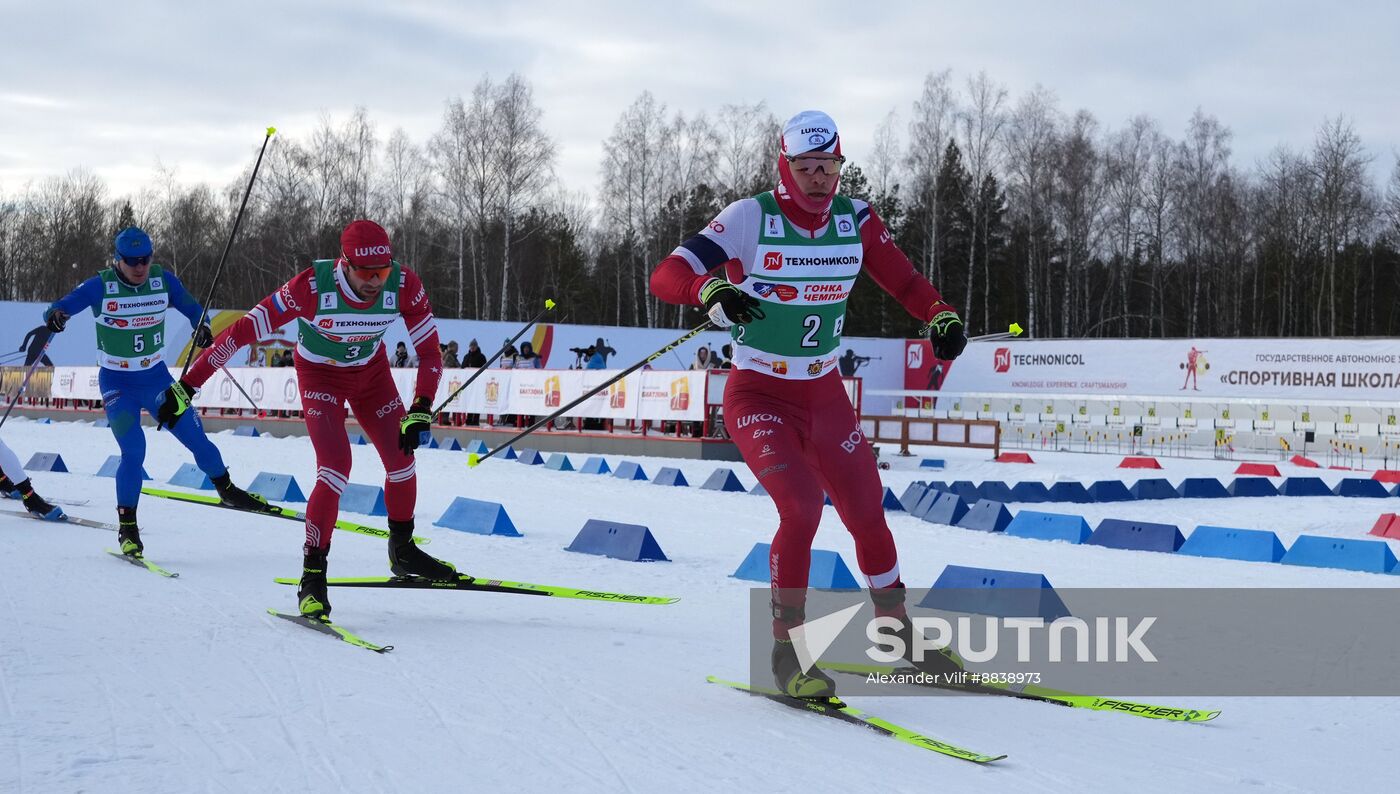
[
  {"x": 603, "y": 350},
  {"x": 475, "y": 359},
  {"x": 449, "y": 357},
  {"x": 288, "y": 358},
  {"x": 529, "y": 359},
  {"x": 726, "y": 360},
  {"x": 400, "y": 356}
]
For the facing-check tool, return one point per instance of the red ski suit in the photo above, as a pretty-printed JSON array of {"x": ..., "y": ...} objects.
[
  {"x": 368, "y": 387},
  {"x": 802, "y": 438}
]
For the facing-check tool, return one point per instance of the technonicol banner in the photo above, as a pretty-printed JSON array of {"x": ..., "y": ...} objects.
[{"x": 1364, "y": 369}]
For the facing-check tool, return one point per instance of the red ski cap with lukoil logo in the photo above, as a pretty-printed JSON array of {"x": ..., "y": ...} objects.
[{"x": 366, "y": 244}]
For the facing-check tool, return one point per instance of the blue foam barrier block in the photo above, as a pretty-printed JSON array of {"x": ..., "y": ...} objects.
[
  {"x": 891, "y": 502},
  {"x": 277, "y": 487},
  {"x": 627, "y": 470},
  {"x": 826, "y": 500},
  {"x": 988, "y": 591},
  {"x": 1304, "y": 486},
  {"x": 246, "y": 430},
  {"x": 827, "y": 571},
  {"x": 1253, "y": 486},
  {"x": 1202, "y": 488},
  {"x": 986, "y": 515},
  {"x": 966, "y": 490},
  {"x": 758, "y": 490},
  {"x": 723, "y": 479},
  {"x": 1153, "y": 488},
  {"x": 508, "y": 454},
  {"x": 355, "y": 438},
  {"x": 1110, "y": 491},
  {"x": 925, "y": 502},
  {"x": 1030, "y": 492},
  {"x": 1049, "y": 526},
  {"x": 668, "y": 475},
  {"x": 1069, "y": 492},
  {"x": 947, "y": 508},
  {"x": 996, "y": 490},
  {"x": 596, "y": 465},
  {"x": 46, "y": 461},
  {"x": 1356, "y": 486},
  {"x": 190, "y": 476},
  {"x": 450, "y": 443},
  {"x": 366, "y": 499},
  {"x": 477, "y": 446},
  {"x": 1256, "y": 545},
  {"x": 109, "y": 467},
  {"x": 477, "y": 517},
  {"x": 101, "y": 423},
  {"x": 44, "y": 421},
  {"x": 559, "y": 462},
  {"x": 1356, "y": 555},
  {"x": 1117, "y": 533},
  {"x": 630, "y": 542},
  {"x": 912, "y": 494},
  {"x": 937, "y": 485},
  {"x": 931, "y": 463},
  {"x": 530, "y": 457}
]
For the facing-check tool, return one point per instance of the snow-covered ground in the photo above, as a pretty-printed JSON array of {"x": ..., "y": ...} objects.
[{"x": 112, "y": 679}]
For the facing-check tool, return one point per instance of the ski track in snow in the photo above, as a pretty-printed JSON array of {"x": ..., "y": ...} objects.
[{"x": 113, "y": 679}]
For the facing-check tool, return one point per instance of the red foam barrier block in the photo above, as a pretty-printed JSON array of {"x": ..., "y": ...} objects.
[
  {"x": 1139, "y": 463},
  {"x": 1259, "y": 470},
  {"x": 1299, "y": 460},
  {"x": 1387, "y": 526},
  {"x": 1014, "y": 457},
  {"x": 1386, "y": 475}
]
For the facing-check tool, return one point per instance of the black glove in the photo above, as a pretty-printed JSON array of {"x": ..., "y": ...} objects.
[
  {"x": 203, "y": 335},
  {"x": 55, "y": 319},
  {"x": 946, "y": 332},
  {"x": 728, "y": 305},
  {"x": 415, "y": 424},
  {"x": 173, "y": 404}
]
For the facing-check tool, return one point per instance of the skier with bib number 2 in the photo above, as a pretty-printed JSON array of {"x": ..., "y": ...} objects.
[
  {"x": 777, "y": 269},
  {"x": 342, "y": 308}
]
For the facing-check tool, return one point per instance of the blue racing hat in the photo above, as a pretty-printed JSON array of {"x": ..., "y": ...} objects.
[{"x": 131, "y": 241}]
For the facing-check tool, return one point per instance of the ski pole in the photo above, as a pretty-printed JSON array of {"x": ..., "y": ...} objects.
[
  {"x": 548, "y": 305},
  {"x": 29, "y": 373},
  {"x": 473, "y": 459},
  {"x": 218, "y": 270},
  {"x": 1010, "y": 333}
]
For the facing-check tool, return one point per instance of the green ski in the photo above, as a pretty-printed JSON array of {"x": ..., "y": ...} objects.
[
  {"x": 1024, "y": 692},
  {"x": 465, "y": 582},
  {"x": 273, "y": 510},
  {"x": 142, "y": 562},
  {"x": 840, "y": 710},
  {"x": 325, "y": 626}
]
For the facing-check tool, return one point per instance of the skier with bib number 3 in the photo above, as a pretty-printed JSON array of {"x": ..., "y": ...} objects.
[
  {"x": 129, "y": 301},
  {"x": 342, "y": 308},
  {"x": 777, "y": 269}
]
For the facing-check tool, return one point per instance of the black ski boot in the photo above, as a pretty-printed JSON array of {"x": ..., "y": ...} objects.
[
  {"x": 813, "y": 684},
  {"x": 33, "y": 502},
  {"x": 312, "y": 601},
  {"x": 128, "y": 534},
  {"x": 406, "y": 559},
  {"x": 935, "y": 663},
  {"x": 791, "y": 679},
  {"x": 233, "y": 496}
]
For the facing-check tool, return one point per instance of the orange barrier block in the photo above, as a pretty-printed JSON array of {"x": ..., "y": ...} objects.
[
  {"x": 1259, "y": 470},
  {"x": 1299, "y": 460},
  {"x": 1014, "y": 457},
  {"x": 1139, "y": 463}
]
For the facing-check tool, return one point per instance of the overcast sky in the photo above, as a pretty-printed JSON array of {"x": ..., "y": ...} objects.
[{"x": 118, "y": 87}]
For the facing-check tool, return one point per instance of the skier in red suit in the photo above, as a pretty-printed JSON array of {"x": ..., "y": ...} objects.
[
  {"x": 342, "y": 307},
  {"x": 777, "y": 269}
]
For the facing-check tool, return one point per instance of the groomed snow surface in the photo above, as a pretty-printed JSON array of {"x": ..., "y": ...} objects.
[{"x": 113, "y": 679}]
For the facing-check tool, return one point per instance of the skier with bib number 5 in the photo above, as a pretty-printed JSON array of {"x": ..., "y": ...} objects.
[
  {"x": 777, "y": 269},
  {"x": 129, "y": 301},
  {"x": 342, "y": 307}
]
